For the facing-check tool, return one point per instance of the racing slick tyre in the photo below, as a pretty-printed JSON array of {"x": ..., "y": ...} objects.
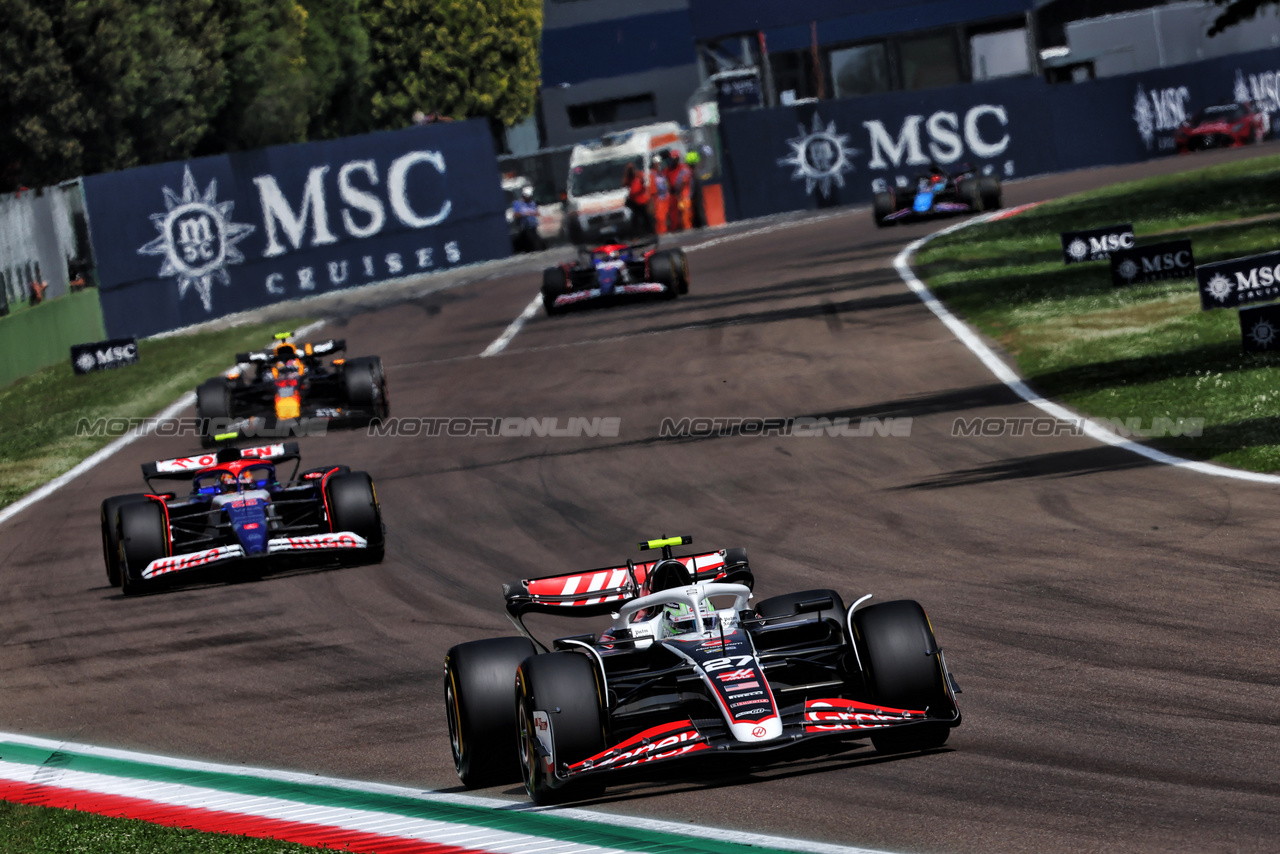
[
  {"x": 353, "y": 506},
  {"x": 903, "y": 670},
  {"x": 479, "y": 698},
  {"x": 663, "y": 270},
  {"x": 143, "y": 537},
  {"x": 782, "y": 606},
  {"x": 558, "y": 704},
  {"x": 990, "y": 193},
  {"x": 883, "y": 204},
  {"x": 681, "y": 264},
  {"x": 968, "y": 192},
  {"x": 110, "y": 534},
  {"x": 365, "y": 384},
  {"x": 213, "y": 404},
  {"x": 553, "y": 285}
]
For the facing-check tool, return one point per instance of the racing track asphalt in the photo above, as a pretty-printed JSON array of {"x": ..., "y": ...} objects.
[{"x": 1111, "y": 621}]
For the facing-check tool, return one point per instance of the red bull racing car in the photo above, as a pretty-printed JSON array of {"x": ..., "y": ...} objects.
[
  {"x": 615, "y": 272},
  {"x": 937, "y": 193},
  {"x": 687, "y": 668},
  {"x": 273, "y": 391},
  {"x": 239, "y": 516}
]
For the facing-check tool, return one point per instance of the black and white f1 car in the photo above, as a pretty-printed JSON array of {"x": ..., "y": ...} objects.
[
  {"x": 239, "y": 514},
  {"x": 937, "y": 193},
  {"x": 675, "y": 676},
  {"x": 615, "y": 272},
  {"x": 287, "y": 383}
]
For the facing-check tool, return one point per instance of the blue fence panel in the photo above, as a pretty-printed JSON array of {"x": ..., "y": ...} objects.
[
  {"x": 181, "y": 243},
  {"x": 838, "y": 152}
]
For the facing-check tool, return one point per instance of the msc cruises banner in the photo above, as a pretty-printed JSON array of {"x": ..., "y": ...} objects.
[
  {"x": 181, "y": 243},
  {"x": 838, "y": 152}
]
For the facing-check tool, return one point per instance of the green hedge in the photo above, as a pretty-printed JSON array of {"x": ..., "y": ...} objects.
[{"x": 36, "y": 337}]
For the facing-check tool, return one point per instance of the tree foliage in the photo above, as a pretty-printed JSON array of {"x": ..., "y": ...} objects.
[
  {"x": 98, "y": 85},
  {"x": 1237, "y": 12},
  {"x": 455, "y": 58}
]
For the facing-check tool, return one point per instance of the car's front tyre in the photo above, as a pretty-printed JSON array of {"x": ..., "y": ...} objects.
[
  {"x": 558, "y": 703},
  {"x": 479, "y": 696}
]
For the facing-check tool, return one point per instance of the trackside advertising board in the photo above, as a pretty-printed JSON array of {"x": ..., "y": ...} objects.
[
  {"x": 1240, "y": 281},
  {"x": 839, "y": 151},
  {"x": 1172, "y": 259},
  {"x": 1095, "y": 244},
  {"x": 1260, "y": 328},
  {"x": 181, "y": 243}
]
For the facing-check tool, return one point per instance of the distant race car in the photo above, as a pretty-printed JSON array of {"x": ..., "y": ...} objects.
[
  {"x": 241, "y": 517},
  {"x": 1222, "y": 126},
  {"x": 937, "y": 193},
  {"x": 289, "y": 382},
  {"x": 615, "y": 272},
  {"x": 675, "y": 677}
]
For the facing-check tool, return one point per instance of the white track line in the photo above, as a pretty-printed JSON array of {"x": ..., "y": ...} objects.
[
  {"x": 500, "y": 343},
  {"x": 170, "y": 411},
  {"x": 1007, "y": 376}
]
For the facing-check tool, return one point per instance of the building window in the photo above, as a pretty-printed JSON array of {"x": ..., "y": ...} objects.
[
  {"x": 793, "y": 72},
  {"x": 999, "y": 54},
  {"x": 615, "y": 110},
  {"x": 929, "y": 61},
  {"x": 860, "y": 70}
]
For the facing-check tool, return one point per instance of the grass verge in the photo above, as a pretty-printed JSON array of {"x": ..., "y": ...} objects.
[
  {"x": 39, "y": 413},
  {"x": 1142, "y": 352},
  {"x": 57, "y": 831}
]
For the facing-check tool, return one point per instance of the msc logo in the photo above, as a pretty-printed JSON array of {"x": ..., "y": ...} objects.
[
  {"x": 1095, "y": 244},
  {"x": 1159, "y": 110},
  {"x": 197, "y": 238}
]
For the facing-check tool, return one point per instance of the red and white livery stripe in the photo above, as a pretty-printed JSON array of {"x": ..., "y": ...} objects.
[
  {"x": 204, "y": 461},
  {"x": 316, "y": 542},
  {"x": 178, "y": 563}
]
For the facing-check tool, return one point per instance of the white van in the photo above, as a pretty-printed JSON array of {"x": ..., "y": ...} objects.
[{"x": 596, "y": 203}]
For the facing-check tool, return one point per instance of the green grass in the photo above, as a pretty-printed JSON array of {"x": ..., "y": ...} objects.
[
  {"x": 39, "y": 413},
  {"x": 1146, "y": 351},
  {"x": 29, "y": 829}
]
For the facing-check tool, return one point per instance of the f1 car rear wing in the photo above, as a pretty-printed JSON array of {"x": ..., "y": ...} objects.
[
  {"x": 180, "y": 468},
  {"x": 318, "y": 348},
  {"x": 601, "y": 591}
]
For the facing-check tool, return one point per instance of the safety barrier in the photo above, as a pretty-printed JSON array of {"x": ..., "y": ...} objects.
[{"x": 42, "y": 335}]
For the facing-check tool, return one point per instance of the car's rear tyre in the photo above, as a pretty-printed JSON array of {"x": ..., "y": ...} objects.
[
  {"x": 663, "y": 270},
  {"x": 480, "y": 703},
  {"x": 882, "y": 204},
  {"x": 353, "y": 506},
  {"x": 365, "y": 384},
  {"x": 990, "y": 193},
  {"x": 143, "y": 536},
  {"x": 902, "y": 669},
  {"x": 782, "y": 606},
  {"x": 681, "y": 263},
  {"x": 213, "y": 408},
  {"x": 566, "y": 688},
  {"x": 967, "y": 192},
  {"x": 110, "y": 533},
  {"x": 553, "y": 285}
]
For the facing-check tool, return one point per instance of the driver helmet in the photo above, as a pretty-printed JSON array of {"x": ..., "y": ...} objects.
[
  {"x": 227, "y": 483},
  {"x": 246, "y": 479},
  {"x": 285, "y": 352}
]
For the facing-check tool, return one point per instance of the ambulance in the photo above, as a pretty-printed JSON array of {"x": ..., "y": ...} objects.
[{"x": 596, "y": 200}]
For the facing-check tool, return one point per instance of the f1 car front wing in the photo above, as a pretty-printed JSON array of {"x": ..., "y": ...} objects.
[{"x": 337, "y": 542}]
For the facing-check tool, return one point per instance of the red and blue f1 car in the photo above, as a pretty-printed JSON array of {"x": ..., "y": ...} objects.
[
  {"x": 615, "y": 272},
  {"x": 687, "y": 668},
  {"x": 239, "y": 514}
]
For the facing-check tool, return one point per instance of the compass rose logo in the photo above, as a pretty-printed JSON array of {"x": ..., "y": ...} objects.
[
  {"x": 820, "y": 156},
  {"x": 1144, "y": 117},
  {"x": 1128, "y": 269},
  {"x": 1263, "y": 334},
  {"x": 197, "y": 238},
  {"x": 1219, "y": 287},
  {"x": 1078, "y": 249}
]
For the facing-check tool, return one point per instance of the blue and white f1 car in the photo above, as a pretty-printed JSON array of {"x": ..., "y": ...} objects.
[
  {"x": 615, "y": 272},
  {"x": 937, "y": 193},
  {"x": 239, "y": 514},
  {"x": 687, "y": 668}
]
